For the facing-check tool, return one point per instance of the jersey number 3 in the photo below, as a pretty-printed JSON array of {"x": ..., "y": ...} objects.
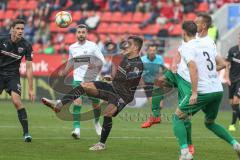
[{"x": 209, "y": 66}]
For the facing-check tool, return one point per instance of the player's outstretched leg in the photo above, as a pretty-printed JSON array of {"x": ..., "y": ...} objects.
[
  {"x": 181, "y": 134},
  {"x": 221, "y": 132}
]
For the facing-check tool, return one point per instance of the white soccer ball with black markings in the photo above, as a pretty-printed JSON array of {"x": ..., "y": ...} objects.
[{"x": 63, "y": 19}]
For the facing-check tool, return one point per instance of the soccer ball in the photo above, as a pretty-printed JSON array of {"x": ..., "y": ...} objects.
[{"x": 63, "y": 19}]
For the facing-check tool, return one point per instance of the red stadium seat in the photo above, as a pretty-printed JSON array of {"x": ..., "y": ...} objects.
[
  {"x": 70, "y": 38},
  {"x": 177, "y": 30},
  {"x": 2, "y": 16},
  {"x": 191, "y": 16},
  {"x": 134, "y": 29},
  {"x": 76, "y": 16},
  {"x": 12, "y": 5},
  {"x": 113, "y": 28},
  {"x": 102, "y": 28},
  {"x": 124, "y": 28},
  {"x": 22, "y": 4},
  {"x": 10, "y": 14},
  {"x": 106, "y": 17},
  {"x": 127, "y": 17},
  {"x": 31, "y": 5},
  {"x": 53, "y": 27},
  {"x": 203, "y": 7},
  {"x": 151, "y": 29},
  {"x": 117, "y": 17},
  {"x": 137, "y": 17}
]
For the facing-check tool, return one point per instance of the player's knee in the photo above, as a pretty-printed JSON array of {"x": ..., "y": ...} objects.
[
  {"x": 180, "y": 114},
  {"x": 235, "y": 100},
  {"x": 208, "y": 123},
  {"x": 17, "y": 103}
]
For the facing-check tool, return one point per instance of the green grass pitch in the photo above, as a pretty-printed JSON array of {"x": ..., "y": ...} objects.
[{"x": 127, "y": 141}]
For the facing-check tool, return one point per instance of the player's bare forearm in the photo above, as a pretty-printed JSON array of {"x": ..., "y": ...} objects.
[
  {"x": 29, "y": 74},
  {"x": 193, "y": 76},
  {"x": 221, "y": 64},
  {"x": 226, "y": 74},
  {"x": 176, "y": 60}
]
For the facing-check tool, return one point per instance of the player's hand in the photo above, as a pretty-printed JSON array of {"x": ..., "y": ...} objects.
[
  {"x": 31, "y": 95},
  {"x": 174, "y": 68},
  {"x": 193, "y": 99},
  {"x": 228, "y": 82}
]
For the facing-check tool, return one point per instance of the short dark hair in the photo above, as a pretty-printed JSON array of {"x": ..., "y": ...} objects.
[
  {"x": 82, "y": 26},
  {"x": 137, "y": 40},
  {"x": 152, "y": 45},
  {"x": 190, "y": 27},
  {"x": 17, "y": 21},
  {"x": 206, "y": 18}
]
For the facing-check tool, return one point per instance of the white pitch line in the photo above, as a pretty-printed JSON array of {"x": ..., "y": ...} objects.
[{"x": 90, "y": 138}]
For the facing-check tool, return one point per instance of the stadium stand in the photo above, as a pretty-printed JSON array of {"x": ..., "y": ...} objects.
[{"x": 116, "y": 17}]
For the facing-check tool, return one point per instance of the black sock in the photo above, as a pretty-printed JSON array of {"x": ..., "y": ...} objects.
[
  {"x": 235, "y": 114},
  {"x": 72, "y": 95},
  {"x": 22, "y": 116},
  {"x": 106, "y": 128},
  {"x": 97, "y": 114}
]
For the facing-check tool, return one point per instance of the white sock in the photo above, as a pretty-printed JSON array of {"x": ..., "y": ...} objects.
[
  {"x": 77, "y": 130},
  {"x": 236, "y": 146},
  {"x": 184, "y": 151}
]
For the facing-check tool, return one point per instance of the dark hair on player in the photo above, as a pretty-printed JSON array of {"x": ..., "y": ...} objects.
[
  {"x": 17, "y": 21},
  {"x": 137, "y": 40},
  {"x": 190, "y": 28},
  {"x": 206, "y": 18},
  {"x": 152, "y": 45},
  {"x": 82, "y": 26}
]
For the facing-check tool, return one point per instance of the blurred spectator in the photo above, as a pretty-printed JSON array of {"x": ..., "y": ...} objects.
[
  {"x": 114, "y": 5},
  {"x": 99, "y": 4},
  {"x": 188, "y": 7},
  {"x": 3, "y": 4},
  {"x": 43, "y": 9},
  {"x": 49, "y": 49},
  {"x": 21, "y": 15},
  {"x": 92, "y": 21},
  {"x": 81, "y": 5},
  {"x": 42, "y": 34},
  {"x": 62, "y": 49},
  {"x": 29, "y": 31},
  {"x": 144, "y": 6},
  {"x": 58, "y": 4},
  {"x": 107, "y": 67},
  {"x": 128, "y": 5},
  {"x": 4, "y": 30},
  {"x": 58, "y": 38},
  {"x": 154, "y": 15},
  {"x": 83, "y": 18}
]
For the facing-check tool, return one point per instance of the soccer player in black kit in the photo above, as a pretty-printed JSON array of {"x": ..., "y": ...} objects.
[
  {"x": 233, "y": 80},
  {"x": 118, "y": 93},
  {"x": 12, "y": 49}
]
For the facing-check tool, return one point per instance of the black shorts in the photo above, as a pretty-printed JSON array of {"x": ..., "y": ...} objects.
[
  {"x": 148, "y": 88},
  {"x": 234, "y": 90},
  {"x": 107, "y": 93},
  {"x": 10, "y": 84}
]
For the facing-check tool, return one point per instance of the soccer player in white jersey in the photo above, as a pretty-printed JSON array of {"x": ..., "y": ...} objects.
[
  {"x": 199, "y": 88},
  {"x": 80, "y": 55}
]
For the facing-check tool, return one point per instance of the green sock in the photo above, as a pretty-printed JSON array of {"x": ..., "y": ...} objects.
[
  {"x": 156, "y": 99},
  {"x": 220, "y": 132},
  {"x": 76, "y": 116},
  {"x": 97, "y": 114},
  {"x": 188, "y": 126},
  {"x": 180, "y": 131}
]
